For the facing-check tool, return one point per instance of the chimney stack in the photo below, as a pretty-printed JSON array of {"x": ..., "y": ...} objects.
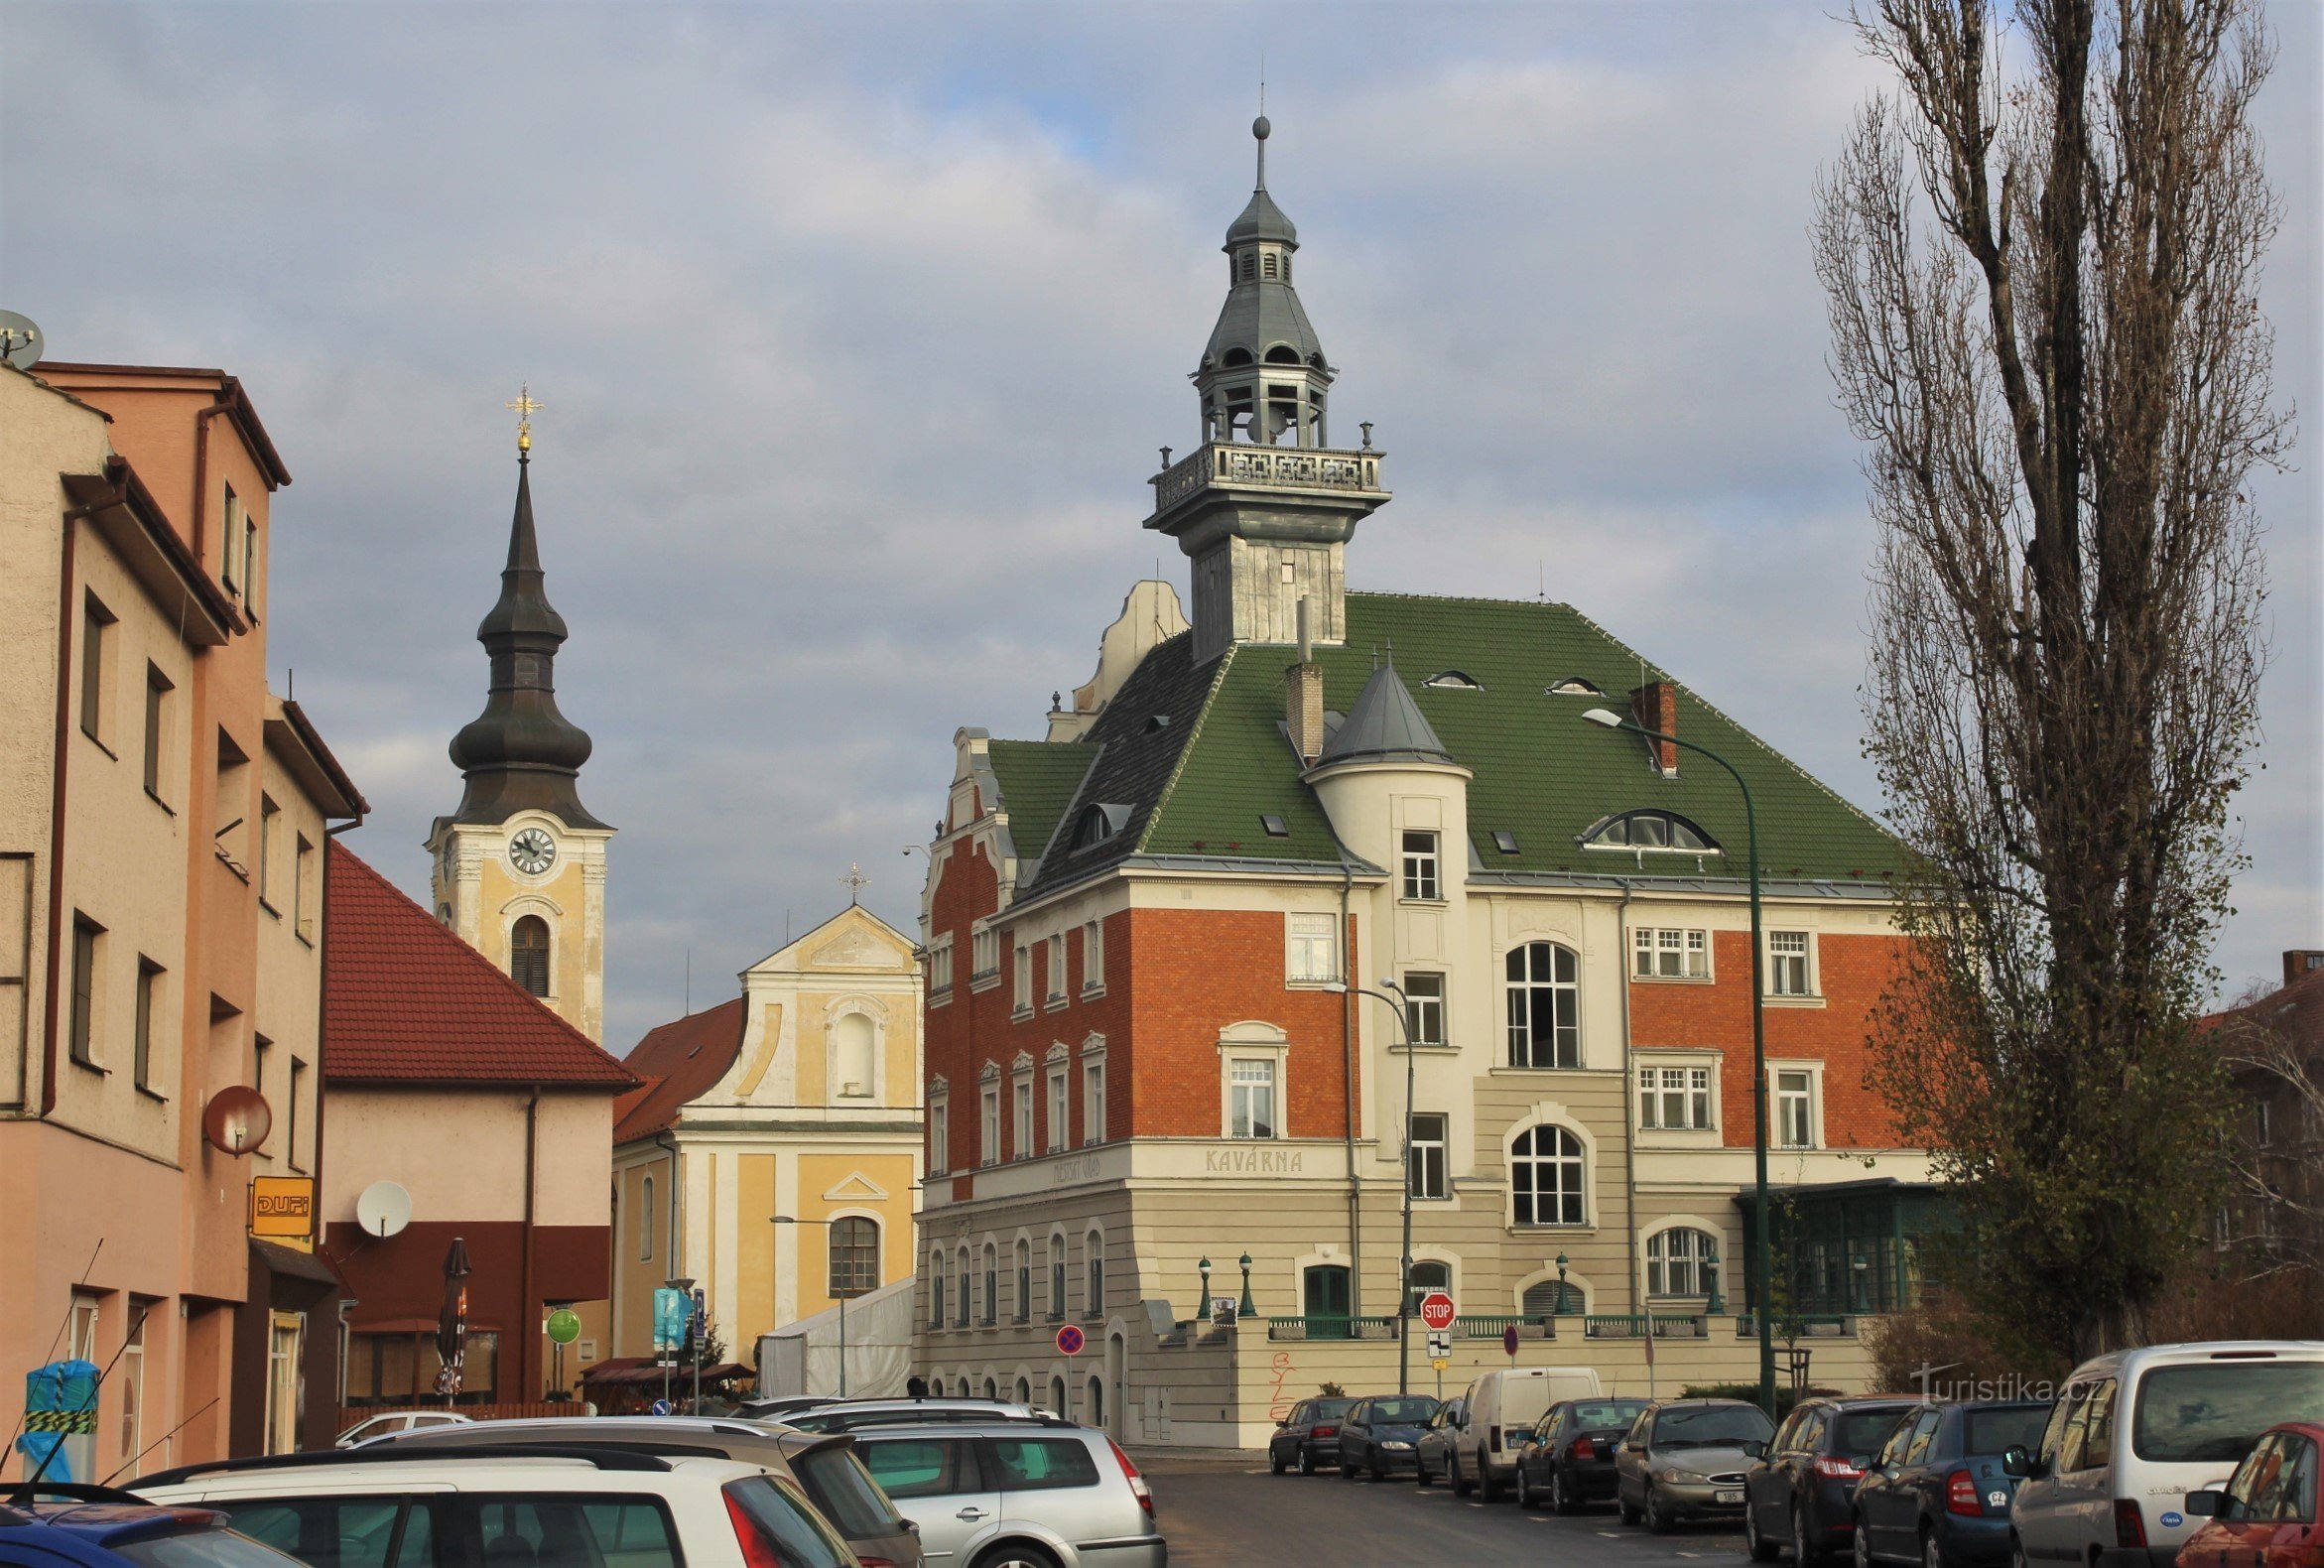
[
  {"x": 2299, "y": 963},
  {"x": 1304, "y": 697},
  {"x": 1655, "y": 706}
]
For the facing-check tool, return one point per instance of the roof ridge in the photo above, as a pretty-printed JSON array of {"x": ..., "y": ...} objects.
[
  {"x": 1194, "y": 737},
  {"x": 1466, "y": 599}
]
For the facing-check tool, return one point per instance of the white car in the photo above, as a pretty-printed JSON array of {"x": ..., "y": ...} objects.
[
  {"x": 399, "y": 1421},
  {"x": 519, "y": 1507}
]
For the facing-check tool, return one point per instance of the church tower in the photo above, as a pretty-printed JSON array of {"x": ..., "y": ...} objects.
[
  {"x": 520, "y": 866},
  {"x": 1265, "y": 505}
]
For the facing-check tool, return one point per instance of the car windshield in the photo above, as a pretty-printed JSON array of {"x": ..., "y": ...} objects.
[
  {"x": 2212, "y": 1413},
  {"x": 206, "y": 1548},
  {"x": 840, "y": 1486},
  {"x": 1862, "y": 1433},
  {"x": 1607, "y": 1416},
  {"x": 1328, "y": 1409},
  {"x": 1710, "y": 1426},
  {"x": 2012, "y": 1426},
  {"x": 1402, "y": 1412}
]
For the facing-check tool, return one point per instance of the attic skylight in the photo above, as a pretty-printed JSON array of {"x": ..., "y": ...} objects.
[
  {"x": 1277, "y": 827},
  {"x": 1456, "y": 681},
  {"x": 1573, "y": 686},
  {"x": 1504, "y": 841},
  {"x": 1650, "y": 830}
]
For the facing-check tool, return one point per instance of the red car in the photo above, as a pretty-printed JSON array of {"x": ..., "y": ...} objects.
[{"x": 2270, "y": 1515}]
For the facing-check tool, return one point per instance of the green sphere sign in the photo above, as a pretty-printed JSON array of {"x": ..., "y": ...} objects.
[{"x": 565, "y": 1325}]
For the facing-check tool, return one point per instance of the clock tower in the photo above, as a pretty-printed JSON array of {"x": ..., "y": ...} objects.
[{"x": 520, "y": 868}]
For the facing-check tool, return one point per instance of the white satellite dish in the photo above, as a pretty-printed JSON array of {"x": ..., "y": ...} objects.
[
  {"x": 20, "y": 340},
  {"x": 382, "y": 1208}
]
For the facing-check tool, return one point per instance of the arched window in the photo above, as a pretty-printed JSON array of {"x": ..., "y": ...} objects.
[
  {"x": 645, "y": 1220},
  {"x": 1093, "y": 1303},
  {"x": 1545, "y": 1177},
  {"x": 936, "y": 1275},
  {"x": 528, "y": 954},
  {"x": 1024, "y": 1312},
  {"x": 1283, "y": 354},
  {"x": 1057, "y": 1277},
  {"x": 991, "y": 1390},
  {"x": 1232, "y": 359},
  {"x": 1097, "y": 1411},
  {"x": 1024, "y": 1392},
  {"x": 1455, "y": 680},
  {"x": 1650, "y": 830},
  {"x": 1545, "y": 1006},
  {"x": 852, "y": 1056},
  {"x": 1267, "y": 265},
  {"x": 1681, "y": 1263},
  {"x": 1552, "y": 1298},
  {"x": 962, "y": 1294},
  {"x": 992, "y": 1283},
  {"x": 855, "y": 1261},
  {"x": 1429, "y": 1274}
]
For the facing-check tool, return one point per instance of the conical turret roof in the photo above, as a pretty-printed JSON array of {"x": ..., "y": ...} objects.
[{"x": 1384, "y": 725}]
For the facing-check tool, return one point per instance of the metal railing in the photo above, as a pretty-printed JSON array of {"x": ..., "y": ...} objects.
[
  {"x": 1243, "y": 466},
  {"x": 1811, "y": 1326},
  {"x": 1634, "y": 1325},
  {"x": 1330, "y": 1326},
  {"x": 1488, "y": 1327}
]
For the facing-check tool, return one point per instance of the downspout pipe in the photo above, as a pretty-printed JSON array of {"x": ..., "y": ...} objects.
[
  {"x": 66, "y": 621},
  {"x": 528, "y": 1306},
  {"x": 322, "y": 1098},
  {"x": 677, "y": 1248},
  {"x": 1347, "y": 1097},
  {"x": 1637, "y": 1292}
]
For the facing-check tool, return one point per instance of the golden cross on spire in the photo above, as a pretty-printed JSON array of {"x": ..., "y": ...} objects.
[{"x": 524, "y": 408}]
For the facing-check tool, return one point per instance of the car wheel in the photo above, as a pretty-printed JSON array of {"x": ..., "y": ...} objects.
[
  {"x": 1932, "y": 1553},
  {"x": 1017, "y": 1555},
  {"x": 1276, "y": 1460},
  {"x": 1803, "y": 1546},
  {"x": 1374, "y": 1472},
  {"x": 1347, "y": 1471},
  {"x": 1658, "y": 1519},
  {"x": 1559, "y": 1501},
  {"x": 1763, "y": 1550},
  {"x": 1452, "y": 1471},
  {"x": 1621, "y": 1506},
  {"x": 1864, "y": 1545},
  {"x": 1307, "y": 1460},
  {"x": 1420, "y": 1472},
  {"x": 1525, "y": 1489},
  {"x": 1487, "y": 1487},
  {"x": 2018, "y": 1558}
]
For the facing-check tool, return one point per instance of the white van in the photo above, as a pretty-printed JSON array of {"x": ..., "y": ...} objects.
[
  {"x": 1498, "y": 1408},
  {"x": 2136, "y": 1431}
]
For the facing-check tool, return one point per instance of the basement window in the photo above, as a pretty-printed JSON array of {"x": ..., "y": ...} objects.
[
  {"x": 1504, "y": 841},
  {"x": 1455, "y": 680},
  {"x": 1277, "y": 827}
]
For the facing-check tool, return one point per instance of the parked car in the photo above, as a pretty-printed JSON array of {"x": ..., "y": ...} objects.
[
  {"x": 1936, "y": 1493},
  {"x": 1432, "y": 1450},
  {"x": 61, "y": 1524},
  {"x": 823, "y": 1464},
  {"x": 1568, "y": 1460},
  {"x": 1684, "y": 1459},
  {"x": 1308, "y": 1437},
  {"x": 392, "y": 1421},
  {"x": 2270, "y": 1512},
  {"x": 1797, "y": 1494},
  {"x": 1005, "y": 1494},
  {"x": 1498, "y": 1407},
  {"x": 1376, "y": 1434},
  {"x": 2135, "y": 1431},
  {"x": 852, "y": 1415},
  {"x": 515, "y": 1506},
  {"x": 781, "y": 1407}
]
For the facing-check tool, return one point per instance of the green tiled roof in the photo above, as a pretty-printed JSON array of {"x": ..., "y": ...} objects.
[
  {"x": 1037, "y": 782},
  {"x": 1541, "y": 772}
]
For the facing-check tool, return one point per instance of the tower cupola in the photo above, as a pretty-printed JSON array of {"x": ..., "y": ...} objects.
[{"x": 1263, "y": 374}]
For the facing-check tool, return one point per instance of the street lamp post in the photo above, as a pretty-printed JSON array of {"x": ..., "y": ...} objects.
[
  {"x": 1761, "y": 1271},
  {"x": 1404, "y": 1282},
  {"x": 841, "y": 1293}
]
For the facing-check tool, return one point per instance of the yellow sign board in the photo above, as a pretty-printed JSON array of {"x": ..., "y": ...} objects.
[
  {"x": 282, "y": 1207},
  {"x": 1439, "y": 1363}
]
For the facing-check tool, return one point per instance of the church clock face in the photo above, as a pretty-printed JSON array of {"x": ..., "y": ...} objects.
[{"x": 532, "y": 851}]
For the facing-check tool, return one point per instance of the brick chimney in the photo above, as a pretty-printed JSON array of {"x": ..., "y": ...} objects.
[
  {"x": 1303, "y": 701},
  {"x": 2299, "y": 963},
  {"x": 1654, "y": 706}
]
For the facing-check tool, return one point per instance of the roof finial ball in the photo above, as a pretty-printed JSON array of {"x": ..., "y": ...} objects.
[{"x": 1260, "y": 129}]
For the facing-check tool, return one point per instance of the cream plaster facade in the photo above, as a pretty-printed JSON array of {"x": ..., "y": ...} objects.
[{"x": 479, "y": 891}]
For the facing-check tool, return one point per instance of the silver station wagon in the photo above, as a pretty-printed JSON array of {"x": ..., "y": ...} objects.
[{"x": 1017, "y": 1495}]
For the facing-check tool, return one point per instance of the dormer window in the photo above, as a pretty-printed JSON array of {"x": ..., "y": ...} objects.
[
  {"x": 1574, "y": 686},
  {"x": 1283, "y": 354},
  {"x": 1098, "y": 824},
  {"x": 1455, "y": 680},
  {"x": 1235, "y": 357},
  {"x": 1650, "y": 830}
]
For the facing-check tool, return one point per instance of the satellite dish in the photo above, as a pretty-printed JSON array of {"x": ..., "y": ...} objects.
[
  {"x": 20, "y": 340},
  {"x": 382, "y": 1208},
  {"x": 238, "y": 1120}
]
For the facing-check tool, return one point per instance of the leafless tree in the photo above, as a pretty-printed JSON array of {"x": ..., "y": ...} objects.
[
  {"x": 2276, "y": 1149},
  {"x": 2044, "y": 296}
]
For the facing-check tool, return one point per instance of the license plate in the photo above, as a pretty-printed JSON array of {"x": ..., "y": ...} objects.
[{"x": 1728, "y": 1498}]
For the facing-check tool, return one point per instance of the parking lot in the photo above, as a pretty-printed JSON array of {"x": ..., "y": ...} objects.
[{"x": 1225, "y": 1510}]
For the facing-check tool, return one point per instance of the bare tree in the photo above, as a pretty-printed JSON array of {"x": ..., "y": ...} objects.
[
  {"x": 2043, "y": 298},
  {"x": 2278, "y": 1152}
]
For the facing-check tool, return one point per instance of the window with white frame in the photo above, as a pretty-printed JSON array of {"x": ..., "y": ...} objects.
[
  {"x": 1094, "y": 957},
  {"x": 1674, "y": 1099},
  {"x": 1681, "y": 1262},
  {"x": 1789, "y": 973},
  {"x": 1430, "y": 1139},
  {"x": 1795, "y": 1109},
  {"x": 983, "y": 956},
  {"x": 1545, "y": 1005},
  {"x": 1251, "y": 1097},
  {"x": 1093, "y": 1102},
  {"x": 1314, "y": 949},
  {"x": 1057, "y": 992},
  {"x": 1024, "y": 1301},
  {"x": 1424, "y": 1006},
  {"x": 991, "y": 1297},
  {"x": 1055, "y": 1276},
  {"x": 1094, "y": 1286},
  {"x": 1666, "y": 953},
  {"x": 1024, "y": 1128},
  {"x": 940, "y": 1155},
  {"x": 1023, "y": 991},
  {"x": 1546, "y": 1170},
  {"x": 939, "y": 1272},
  {"x": 988, "y": 1149},
  {"x": 1420, "y": 867},
  {"x": 940, "y": 965},
  {"x": 1057, "y": 1107},
  {"x": 963, "y": 1288}
]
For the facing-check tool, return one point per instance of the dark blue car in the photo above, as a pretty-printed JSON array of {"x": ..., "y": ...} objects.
[
  {"x": 52, "y": 1525},
  {"x": 1378, "y": 1437},
  {"x": 1936, "y": 1493}
]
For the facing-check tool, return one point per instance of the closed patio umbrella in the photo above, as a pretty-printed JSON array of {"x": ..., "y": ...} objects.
[{"x": 451, "y": 1323}]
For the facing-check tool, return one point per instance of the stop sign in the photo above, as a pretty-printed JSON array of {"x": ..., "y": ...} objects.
[{"x": 1436, "y": 1310}]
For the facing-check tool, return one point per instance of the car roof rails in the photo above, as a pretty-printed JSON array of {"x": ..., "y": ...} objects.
[
  {"x": 405, "y": 1454},
  {"x": 73, "y": 1491}
]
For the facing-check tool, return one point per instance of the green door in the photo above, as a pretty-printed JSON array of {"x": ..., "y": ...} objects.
[{"x": 1324, "y": 1291}]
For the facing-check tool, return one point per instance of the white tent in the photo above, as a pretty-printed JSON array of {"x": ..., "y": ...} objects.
[{"x": 803, "y": 1356}]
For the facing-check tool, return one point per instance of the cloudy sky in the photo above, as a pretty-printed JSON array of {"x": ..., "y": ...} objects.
[{"x": 858, "y": 326}]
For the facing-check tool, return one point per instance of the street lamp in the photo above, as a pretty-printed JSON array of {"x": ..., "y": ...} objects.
[
  {"x": 1203, "y": 1311},
  {"x": 1247, "y": 1308},
  {"x": 841, "y": 1290},
  {"x": 1760, "y": 1284},
  {"x": 1404, "y": 1282}
]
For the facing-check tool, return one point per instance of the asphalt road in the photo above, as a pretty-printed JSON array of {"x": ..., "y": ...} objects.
[{"x": 1226, "y": 1511}]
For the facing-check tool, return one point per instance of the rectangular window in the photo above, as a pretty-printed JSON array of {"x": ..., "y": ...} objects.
[
  {"x": 233, "y": 535},
  {"x": 1056, "y": 1278},
  {"x": 130, "y": 1373},
  {"x": 1670, "y": 955},
  {"x": 1424, "y": 1007},
  {"x": 940, "y": 965},
  {"x": 250, "y": 563},
  {"x": 645, "y": 1220},
  {"x": 157, "y": 717},
  {"x": 268, "y": 811},
  {"x": 1314, "y": 949},
  {"x": 1092, "y": 1102},
  {"x": 1673, "y": 1099},
  {"x": 297, "y": 1093},
  {"x": 86, "y": 942},
  {"x": 301, "y": 868},
  {"x": 1056, "y": 1108},
  {"x": 149, "y": 982},
  {"x": 1055, "y": 961},
  {"x": 939, "y": 1159},
  {"x": 259, "y": 1046},
  {"x": 1024, "y": 1119},
  {"x": 1094, "y": 956},
  {"x": 1420, "y": 867},
  {"x": 1251, "y": 1098},
  {"x": 1787, "y": 964},
  {"x": 984, "y": 955},
  {"x": 1024, "y": 979},
  {"x": 1796, "y": 1120},
  {"x": 95, "y": 618},
  {"x": 988, "y": 1151},
  {"x": 1431, "y": 1136}
]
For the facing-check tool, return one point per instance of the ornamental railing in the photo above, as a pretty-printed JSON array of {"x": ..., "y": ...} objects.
[
  {"x": 1330, "y": 1326},
  {"x": 1246, "y": 466}
]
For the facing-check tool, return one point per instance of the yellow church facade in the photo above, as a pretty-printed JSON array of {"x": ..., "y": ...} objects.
[{"x": 772, "y": 1155}]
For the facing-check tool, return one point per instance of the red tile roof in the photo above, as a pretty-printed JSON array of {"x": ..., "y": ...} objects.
[
  {"x": 405, "y": 999},
  {"x": 2295, "y": 1011},
  {"x": 679, "y": 1061}
]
